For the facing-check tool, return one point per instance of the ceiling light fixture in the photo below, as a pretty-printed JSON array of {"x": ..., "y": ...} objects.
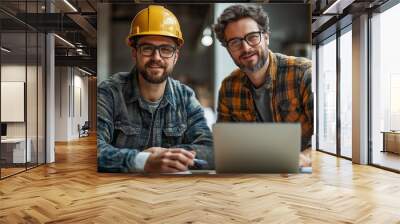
[
  {"x": 84, "y": 71},
  {"x": 5, "y": 50},
  {"x": 70, "y": 5},
  {"x": 65, "y": 41},
  {"x": 207, "y": 39},
  {"x": 331, "y": 7},
  {"x": 337, "y": 7}
]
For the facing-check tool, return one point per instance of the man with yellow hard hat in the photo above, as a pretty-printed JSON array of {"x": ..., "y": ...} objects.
[{"x": 147, "y": 121}]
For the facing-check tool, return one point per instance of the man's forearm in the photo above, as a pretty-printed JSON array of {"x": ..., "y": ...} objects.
[{"x": 112, "y": 159}]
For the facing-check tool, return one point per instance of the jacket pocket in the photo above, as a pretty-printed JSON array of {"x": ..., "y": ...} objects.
[
  {"x": 126, "y": 135},
  {"x": 173, "y": 135}
]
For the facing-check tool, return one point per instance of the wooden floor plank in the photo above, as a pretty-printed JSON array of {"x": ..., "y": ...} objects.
[{"x": 71, "y": 191}]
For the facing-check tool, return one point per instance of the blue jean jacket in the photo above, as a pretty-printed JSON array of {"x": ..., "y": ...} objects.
[{"x": 126, "y": 127}]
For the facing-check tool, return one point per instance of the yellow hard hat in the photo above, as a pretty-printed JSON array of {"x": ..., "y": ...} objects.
[{"x": 155, "y": 20}]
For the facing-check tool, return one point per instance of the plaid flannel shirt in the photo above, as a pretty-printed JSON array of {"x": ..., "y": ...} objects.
[{"x": 291, "y": 98}]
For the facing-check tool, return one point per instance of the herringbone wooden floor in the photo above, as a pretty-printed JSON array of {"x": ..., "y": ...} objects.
[{"x": 71, "y": 191}]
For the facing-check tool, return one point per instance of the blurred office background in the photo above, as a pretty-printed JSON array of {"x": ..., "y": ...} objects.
[
  {"x": 203, "y": 62},
  {"x": 48, "y": 78}
]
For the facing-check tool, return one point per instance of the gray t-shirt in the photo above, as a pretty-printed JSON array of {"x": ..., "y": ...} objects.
[
  {"x": 152, "y": 105},
  {"x": 262, "y": 101}
]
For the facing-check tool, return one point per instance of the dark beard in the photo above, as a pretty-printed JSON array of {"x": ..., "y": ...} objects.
[
  {"x": 151, "y": 79},
  {"x": 262, "y": 59}
]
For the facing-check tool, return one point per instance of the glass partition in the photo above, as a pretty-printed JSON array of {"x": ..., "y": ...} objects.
[
  {"x": 22, "y": 87},
  {"x": 385, "y": 89},
  {"x": 327, "y": 96}
]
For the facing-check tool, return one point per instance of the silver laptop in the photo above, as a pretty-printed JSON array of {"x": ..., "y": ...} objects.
[{"x": 257, "y": 147}]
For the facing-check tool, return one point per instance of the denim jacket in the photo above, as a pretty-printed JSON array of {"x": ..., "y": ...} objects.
[{"x": 125, "y": 124}]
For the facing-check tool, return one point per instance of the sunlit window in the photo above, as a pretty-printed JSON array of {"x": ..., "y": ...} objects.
[
  {"x": 327, "y": 96},
  {"x": 345, "y": 94},
  {"x": 385, "y": 84}
]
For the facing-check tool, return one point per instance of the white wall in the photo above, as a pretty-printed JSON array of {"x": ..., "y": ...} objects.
[
  {"x": 80, "y": 83},
  {"x": 61, "y": 103},
  {"x": 13, "y": 73},
  {"x": 70, "y": 83},
  {"x": 16, "y": 73},
  {"x": 12, "y": 101}
]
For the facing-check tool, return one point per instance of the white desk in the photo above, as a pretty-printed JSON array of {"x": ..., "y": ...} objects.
[{"x": 17, "y": 146}]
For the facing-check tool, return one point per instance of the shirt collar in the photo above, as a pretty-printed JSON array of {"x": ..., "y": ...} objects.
[{"x": 272, "y": 66}]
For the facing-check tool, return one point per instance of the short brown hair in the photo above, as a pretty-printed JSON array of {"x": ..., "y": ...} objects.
[{"x": 237, "y": 12}]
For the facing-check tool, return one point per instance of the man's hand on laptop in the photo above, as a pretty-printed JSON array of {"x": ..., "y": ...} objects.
[{"x": 163, "y": 160}]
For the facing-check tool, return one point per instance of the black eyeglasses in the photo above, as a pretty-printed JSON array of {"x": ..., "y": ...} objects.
[
  {"x": 252, "y": 39},
  {"x": 166, "y": 51}
]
